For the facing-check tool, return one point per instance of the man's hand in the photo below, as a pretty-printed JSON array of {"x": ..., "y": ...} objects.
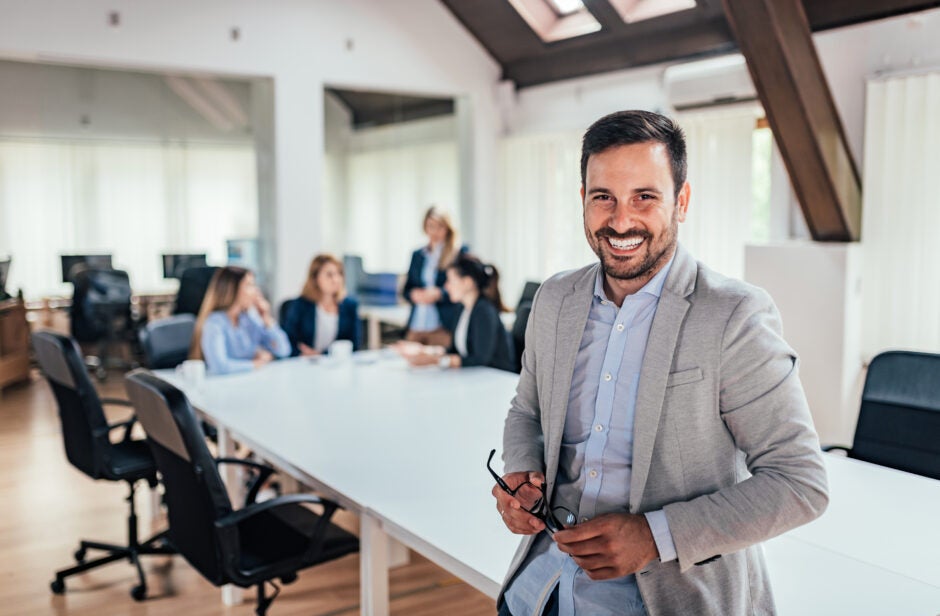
[
  {"x": 517, "y": 519},
  {"x": 609, "y": 546}
]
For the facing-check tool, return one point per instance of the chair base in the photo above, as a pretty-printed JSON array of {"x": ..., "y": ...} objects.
[
  {"x": 155, "y": 545},
  {"x": 158, "y": 544}
]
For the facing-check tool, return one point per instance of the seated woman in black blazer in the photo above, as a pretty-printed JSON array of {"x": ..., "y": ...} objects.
[
  {"x": 479, "y": 338},
  {"x": 322, "y": 313}
]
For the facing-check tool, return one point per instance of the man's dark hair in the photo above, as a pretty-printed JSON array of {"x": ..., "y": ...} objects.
[{"x": 636, "y": 126}]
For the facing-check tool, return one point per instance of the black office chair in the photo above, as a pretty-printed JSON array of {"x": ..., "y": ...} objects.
[
  {"x": 899, "y": 421},
  {"x": 528, "y": 292},
  {"x": 282, "y": 310},
  {"x": 518, "y": 331},
  {"x": 166, "y": 342},
  {"x": 194, "y": 282},
  {"x": 247, "y": 547},
  {"x": 101, "y": 313},
  {"x": 88, "y": 447}
]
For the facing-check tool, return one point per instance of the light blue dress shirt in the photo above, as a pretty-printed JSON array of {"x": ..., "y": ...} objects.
[
  {"x": 228, "y": 348},
  {"x": 596, "y": 458},
  {"x": 426, "y": 318}
]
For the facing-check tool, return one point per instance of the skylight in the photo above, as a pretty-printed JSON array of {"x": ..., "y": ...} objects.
[
  {"x": 566, "y": 7},
  {"x": 637, "y": 10},
  {"x": 556, "y": 20}
]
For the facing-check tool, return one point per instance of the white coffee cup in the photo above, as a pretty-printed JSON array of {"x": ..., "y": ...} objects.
[
  {"x": 341, "y": 350},
  {"x": 193, "y": 372}
]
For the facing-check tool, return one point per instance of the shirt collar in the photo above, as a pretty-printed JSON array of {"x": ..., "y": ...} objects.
[{"x": 654, "y": 287}]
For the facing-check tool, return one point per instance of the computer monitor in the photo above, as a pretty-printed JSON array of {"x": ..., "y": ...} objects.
[
  {"x": 243, "y": 252},
  {"x": 354, "y": 274},
  {"x": 4, "y": 272},
  {"x": 174, "y": 265},
  {"x": 71, "y": 262}
]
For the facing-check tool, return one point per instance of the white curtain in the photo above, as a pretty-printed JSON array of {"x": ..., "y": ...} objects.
[
  {"x": 901, "y": 215},
  {"x": 133, "y": 200},
  {"x": 387, "y": 191},
  {"x": 540, "y": 229},
  {"x": 719, "y": 144}
]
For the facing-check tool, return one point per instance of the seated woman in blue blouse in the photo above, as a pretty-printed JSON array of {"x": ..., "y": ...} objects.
[
  {"x": 235, "y": 331},
  {"x": 479, "y": 338},
  {"x": 322, "y": 314}
]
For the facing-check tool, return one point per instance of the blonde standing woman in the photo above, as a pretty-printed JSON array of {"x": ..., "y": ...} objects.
[{"x": 432, "y": 312}]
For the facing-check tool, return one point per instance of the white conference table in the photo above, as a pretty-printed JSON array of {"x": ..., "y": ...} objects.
[{"x": 406, "y": 450}]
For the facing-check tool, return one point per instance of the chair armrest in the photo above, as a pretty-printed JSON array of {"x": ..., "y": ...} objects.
[
  {"x": 127, "y": 424},
  {"x": 237, "y": 517},
  {"x": 837, "y": 448},
  {"x": 264, "y": 471}
]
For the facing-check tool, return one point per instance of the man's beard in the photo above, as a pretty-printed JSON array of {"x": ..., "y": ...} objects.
[{"x": 654, "y": 252}]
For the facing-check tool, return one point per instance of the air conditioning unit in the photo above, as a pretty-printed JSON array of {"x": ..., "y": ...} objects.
[{"x": 706, "y": 83}]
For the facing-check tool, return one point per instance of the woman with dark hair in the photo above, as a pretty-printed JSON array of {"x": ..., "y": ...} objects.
[
  {"x": 432, "y": 310},
  {"x": 322, "y": 313},
  {"x": 235, "y": 331},
  {"x": 478, "y": 335}
]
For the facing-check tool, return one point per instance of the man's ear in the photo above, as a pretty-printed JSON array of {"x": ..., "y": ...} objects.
[{"x": 682, "y": 201}]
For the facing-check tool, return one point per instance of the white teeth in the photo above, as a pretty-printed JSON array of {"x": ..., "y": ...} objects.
[{"x": 625, "y": 244}]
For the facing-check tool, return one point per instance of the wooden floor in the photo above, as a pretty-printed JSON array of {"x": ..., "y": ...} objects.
[{"x": 46, "y": 506}]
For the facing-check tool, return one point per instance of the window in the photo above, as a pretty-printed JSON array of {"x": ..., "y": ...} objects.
[{"x": 132, "y": 199}]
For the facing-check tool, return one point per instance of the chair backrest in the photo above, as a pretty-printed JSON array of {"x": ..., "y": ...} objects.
[
  {"x": 99, "y": 297},
  {"x": 528, "y": 293},
  {"x": 193, "y": 285},
  {"x": 195, "y": 495},
  {"x": 165, "y": 342},
  {"x": 84, "y": 426},
  {"x": 283, "y": 310},
  {"x": 518, "y": 331},
  {"x": 899, "y": 421}
]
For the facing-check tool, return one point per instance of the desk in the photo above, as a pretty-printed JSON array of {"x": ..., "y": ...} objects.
[{"x": 406, "y": 450}]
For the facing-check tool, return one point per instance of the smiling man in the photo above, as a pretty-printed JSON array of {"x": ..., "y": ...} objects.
[{"x": 659, "y": 430}]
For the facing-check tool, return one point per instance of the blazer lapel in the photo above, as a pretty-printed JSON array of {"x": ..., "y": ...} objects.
[
  {"x": 572, "y": 316},
  {"x": 660, "y": 350}
]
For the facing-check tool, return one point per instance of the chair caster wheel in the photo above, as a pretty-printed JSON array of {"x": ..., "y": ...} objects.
[
  {"x": 57, "y": 586},
  {"x": 139, "y": 593},
  {"x": 80, "y": 555}
]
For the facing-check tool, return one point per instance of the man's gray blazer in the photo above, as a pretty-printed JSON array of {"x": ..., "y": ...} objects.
[{"x": 723, "y": 438}]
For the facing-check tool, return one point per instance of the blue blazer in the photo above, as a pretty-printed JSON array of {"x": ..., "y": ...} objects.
[
  {"x": 488, "y": 342},
  {"x": 300, "y": 323},
  {"x": 447, "y": 310}
]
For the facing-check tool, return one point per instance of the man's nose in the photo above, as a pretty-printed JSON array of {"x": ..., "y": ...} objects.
[{"x": 621, "y": 219}]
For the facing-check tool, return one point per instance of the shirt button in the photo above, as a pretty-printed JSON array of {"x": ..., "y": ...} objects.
[
  {"x": 619, "y": 327},
  {"x": 593, "y": 474},
  {"x": 607, "y": 377},
  {"x": 598, "y": 427},
  {"x": 604, "y": 302}
]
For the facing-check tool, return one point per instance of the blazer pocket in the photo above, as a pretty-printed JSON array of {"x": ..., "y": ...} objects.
[{"x": 683, "y": 377}]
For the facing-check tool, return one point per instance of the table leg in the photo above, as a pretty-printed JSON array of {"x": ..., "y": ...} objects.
[
  {"x": 398, "y": 554},
  {"x": 231, "y": 594},
  {"x": 374, "y": 332},
  {"x": 373, "y": 567}
]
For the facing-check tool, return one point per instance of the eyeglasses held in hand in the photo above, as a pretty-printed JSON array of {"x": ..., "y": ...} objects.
[{"x": 533, "y": 500}]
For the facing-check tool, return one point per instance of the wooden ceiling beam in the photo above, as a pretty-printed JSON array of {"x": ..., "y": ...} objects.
[{"x": 775, "y": 38}]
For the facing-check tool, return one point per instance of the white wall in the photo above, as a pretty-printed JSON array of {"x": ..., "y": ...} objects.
[
  {"x": 406, "y": 45},
  {"x": 817, "y": 288},
  {"x": 65, "y": 101}
]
